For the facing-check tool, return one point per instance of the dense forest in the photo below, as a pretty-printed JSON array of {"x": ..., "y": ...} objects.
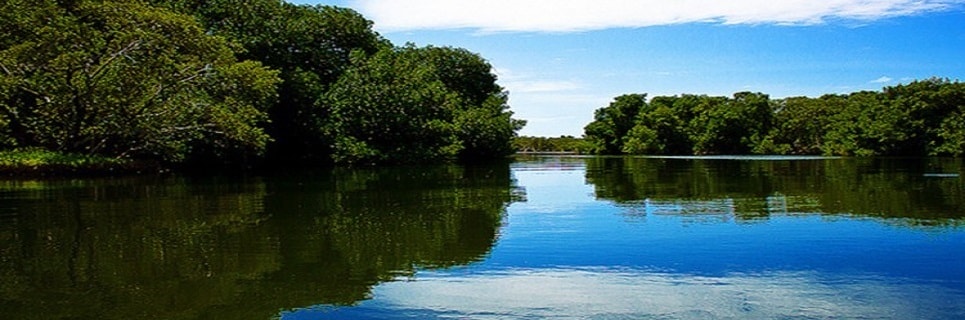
[
  {"x": 921, "y": 118},
  {"x": 232, "y": 81}
]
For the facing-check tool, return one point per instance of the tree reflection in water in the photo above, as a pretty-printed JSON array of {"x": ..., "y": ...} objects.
[
  {"x": 233, "y": 248},
  {"x": 905, "y": 191}
]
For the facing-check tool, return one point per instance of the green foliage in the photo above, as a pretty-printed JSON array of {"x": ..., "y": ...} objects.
[
  {"x": 921, "y": 118},
  {"x": 403, "y": 105},
  {"x": 910, "y": 119},
  {"x": 487, "y": 131},
  {"x": 391, "y": 107},
  {"x": 660, "y": 129},
  {"x": 242, "y": 93},
  {"x": 122, "y": 79},
  {"x": 686, "y": 124},
  {"x": 731, "y": 126},
  {"x": 178, "y": 80},
  {"x": 33, "y": 157},
  {"x": 485, "y": 127},
  {"x": 567, "y": 144},
  {"x": 309, "y": 45},
  {"x": 952, "y": 135},
  {"x": 643, "y": 139},
  {"x": 800, "y": 124},
  {"x": 611, "y": 124},
  {"x": 33, "y": 162}
]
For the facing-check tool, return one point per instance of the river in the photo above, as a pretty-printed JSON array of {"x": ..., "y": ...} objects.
[{"x": 560, "y": 237}]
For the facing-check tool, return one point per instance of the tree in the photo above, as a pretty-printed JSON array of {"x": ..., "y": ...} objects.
[
  {"x": 926, "y": 104},
  {"x": 921, "y": 118},
  {"x": 643, "y": 140},
  {"x": 485, "y": 124},
  {"x": 413, "y": 104},
  {"x": 487, "y": 131},
  {"x": 731, "y": 126},
  {"x": 800, "y": 124},
  {"x": 391, "y": 107},
  {"x": 708, "y": 125},
  {"x": 124, "y": 79},
  {"x": 659, "y": 130},
  {"x": 552, "y": 144},
  {"x": 866, "y": 124},
  {"x": 309, "y": 45},
  {"x": 952, "y": 135},
  {"x": 612, "y": 123}
]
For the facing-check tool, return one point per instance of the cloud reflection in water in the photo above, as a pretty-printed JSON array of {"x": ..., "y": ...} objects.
[{"x": 598, "y": 293}]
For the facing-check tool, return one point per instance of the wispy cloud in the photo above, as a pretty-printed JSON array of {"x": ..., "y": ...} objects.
[
  {"x": 882, "y": 80},
  {"x": 583, "y": 15},
  {"x": 523, "y": 83},
  {"x": 525, "y": 86}
]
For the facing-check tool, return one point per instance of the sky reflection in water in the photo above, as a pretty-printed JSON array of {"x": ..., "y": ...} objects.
[
  {"x": 567, "y": 253},
  {"x": 599, "y": 293}
]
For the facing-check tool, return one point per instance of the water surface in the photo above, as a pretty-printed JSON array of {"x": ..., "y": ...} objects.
[{"x": 543, "y": 237}]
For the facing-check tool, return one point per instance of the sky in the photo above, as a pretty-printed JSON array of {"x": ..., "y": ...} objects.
[{"x": 562, "y": 59}]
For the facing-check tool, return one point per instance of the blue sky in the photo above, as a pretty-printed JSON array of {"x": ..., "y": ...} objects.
[{"x": 562, "y": 59}]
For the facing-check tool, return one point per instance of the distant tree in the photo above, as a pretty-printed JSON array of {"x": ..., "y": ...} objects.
[
  {"x": 926, "y": 104},
  {"x": 643, "y": 139},
  {"x": 612, "y": 123},
  {"x": 709, "y": 124},
  {"x": 553, "y": 144},
  {"x": 658, "y": 130},
  {"x": 952, "y": 135},
  {"x": 800, "y": 125},
  {"x": 921, "y": 118},
  {"x": 757, "y": 118},
  {"x": 860, "y": 126}
]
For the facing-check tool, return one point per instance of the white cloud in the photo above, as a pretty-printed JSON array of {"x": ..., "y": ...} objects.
[
  {"x": 882, "y": 80},
  {"x": 551, "y": 105},
  {"x": 522, "y": 83},
  {"x": 582, "y": 15},
  {"x": 526, "y": 83},
  {"x": 540, "y": 86}
]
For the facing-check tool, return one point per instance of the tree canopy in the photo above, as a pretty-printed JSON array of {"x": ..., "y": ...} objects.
[
  {"x": 921, "y": 118},
  {"x": 233, "y": 81},
  {"x": 124, "y": 79}
]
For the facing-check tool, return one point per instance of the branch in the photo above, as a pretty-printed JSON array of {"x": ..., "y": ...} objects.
[
  {"x": 197, "y": 74},
  {"x": 5, "y": 70},
  {"x": 131, "y": 46}
]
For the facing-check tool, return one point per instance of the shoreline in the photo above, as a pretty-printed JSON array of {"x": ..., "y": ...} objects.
[{"x": 39, "y": 163}]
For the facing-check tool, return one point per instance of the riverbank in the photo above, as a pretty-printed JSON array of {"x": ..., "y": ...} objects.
[{"x": 35, "y": 162}]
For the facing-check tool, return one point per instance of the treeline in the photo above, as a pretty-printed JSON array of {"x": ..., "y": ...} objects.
[
  {"x": 567, "y": 144},
  {"x": 922, "y": 118},
  {"x": 232, "y": 81}
]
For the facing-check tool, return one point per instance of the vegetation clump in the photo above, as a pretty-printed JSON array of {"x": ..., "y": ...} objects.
[
  {"x": 238, "y": 82},
  {"x": 921, "y": 118},
  {"x": 561, "y": 144},
  {"x": 40, "y": 162}
]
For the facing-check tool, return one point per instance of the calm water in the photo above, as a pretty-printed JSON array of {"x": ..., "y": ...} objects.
[{"x": 543, "y": 237}]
